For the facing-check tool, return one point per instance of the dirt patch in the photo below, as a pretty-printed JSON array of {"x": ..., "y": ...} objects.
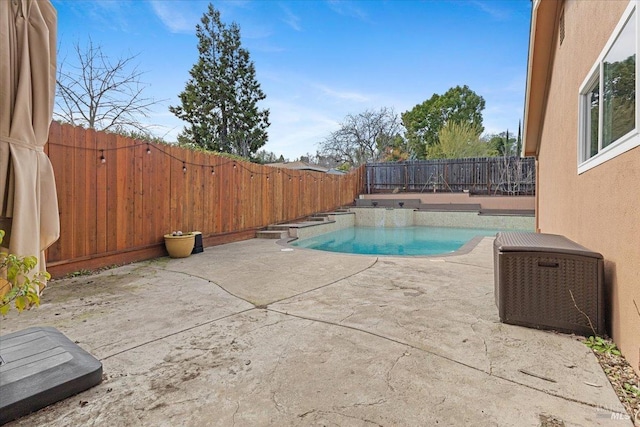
[{"x": 91, "y": 286}]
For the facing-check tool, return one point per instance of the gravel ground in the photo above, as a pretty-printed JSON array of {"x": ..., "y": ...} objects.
[{"x": 625, "y": 382}]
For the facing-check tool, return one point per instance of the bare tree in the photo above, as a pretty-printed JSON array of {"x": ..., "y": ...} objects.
[
  {"x": 363, "y": 137},
  {"x": 99, "y": 93}
]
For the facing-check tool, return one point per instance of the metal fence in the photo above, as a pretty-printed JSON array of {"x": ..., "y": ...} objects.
[{"x": 486, "y": 175}]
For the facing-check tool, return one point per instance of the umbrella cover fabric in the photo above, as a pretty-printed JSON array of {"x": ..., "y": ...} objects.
[{"x": 28, "y": 202}]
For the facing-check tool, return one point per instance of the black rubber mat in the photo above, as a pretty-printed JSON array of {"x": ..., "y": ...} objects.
[{"x": 40, "y": 366}]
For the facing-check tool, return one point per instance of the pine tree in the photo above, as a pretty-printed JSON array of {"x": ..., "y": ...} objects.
[{"x": 220, "y": 100}]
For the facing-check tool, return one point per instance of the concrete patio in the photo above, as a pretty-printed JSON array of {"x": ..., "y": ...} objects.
[{"x": 249, "y": 334}]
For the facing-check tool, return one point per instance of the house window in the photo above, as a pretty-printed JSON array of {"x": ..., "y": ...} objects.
[{"x": 609, "y": 112}]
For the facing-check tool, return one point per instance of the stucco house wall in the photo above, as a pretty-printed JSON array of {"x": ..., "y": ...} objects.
[{"x": 599, "y": 208}]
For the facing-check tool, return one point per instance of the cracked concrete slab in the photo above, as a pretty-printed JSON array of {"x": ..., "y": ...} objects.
[
  {"x": 261, "y": 272},
  {"x": 245, "y": 335},
  {"x": 127, "y": 306},
  {"x": 448, "y": 309}
]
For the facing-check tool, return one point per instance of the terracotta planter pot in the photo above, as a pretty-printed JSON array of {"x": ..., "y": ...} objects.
[{"x": 179, "y": 246}]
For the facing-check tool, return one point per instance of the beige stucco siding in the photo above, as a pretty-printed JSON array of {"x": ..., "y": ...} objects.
[{"x": 600, "y": 208}]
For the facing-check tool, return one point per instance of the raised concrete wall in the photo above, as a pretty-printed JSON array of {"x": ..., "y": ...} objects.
[
  {"x": 473, "y": 220},
  {"x": 385, "y": 217},
  {"x": 486, "y": 202}
]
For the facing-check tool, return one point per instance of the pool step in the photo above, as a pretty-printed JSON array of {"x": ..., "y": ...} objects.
[
  {"x": 284, "y": 231},
  {"x": 279, "y": 227},
  {"x": 317, "y": 218},
  {"x": 286, "y": 227},
  {"x": 272, "y": 234}
]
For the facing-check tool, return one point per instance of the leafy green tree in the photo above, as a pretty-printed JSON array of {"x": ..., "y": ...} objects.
[
  {"x": 220, "y": 100},
  {"x": 502, "y": 144},
  {"x": 264, "y": 156},
  {"x": 424, "y": 121},
  {"x": 458, "y": 141},
  {"x": 397, "y": 151}
]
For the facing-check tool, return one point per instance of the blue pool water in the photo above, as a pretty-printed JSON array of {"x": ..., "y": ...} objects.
[{"x": 394, "y": 241}]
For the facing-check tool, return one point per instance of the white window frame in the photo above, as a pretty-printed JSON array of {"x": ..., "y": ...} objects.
[{"x": 631, "y": 139}]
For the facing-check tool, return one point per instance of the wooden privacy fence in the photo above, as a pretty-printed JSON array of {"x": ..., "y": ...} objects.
[
  {"x": 118, "y": 197},
  {"x": 486, "y": 175}
]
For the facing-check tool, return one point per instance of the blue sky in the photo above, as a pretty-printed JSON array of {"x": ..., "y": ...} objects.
[{"x": 318, "y": 61}]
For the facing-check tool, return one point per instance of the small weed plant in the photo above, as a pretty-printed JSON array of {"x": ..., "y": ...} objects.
[
  {"x": 601, "y": 345},
  {"x": 79, "y": 273},
  {"x": 632, "y": 389}
]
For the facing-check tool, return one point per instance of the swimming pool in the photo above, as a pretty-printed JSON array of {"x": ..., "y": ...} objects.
[{"x": 394, "y": 241}]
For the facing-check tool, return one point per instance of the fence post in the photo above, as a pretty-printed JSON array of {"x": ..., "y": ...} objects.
[
  {"x": 406, "y": 179},
  {"x": 489, "y": 167}
]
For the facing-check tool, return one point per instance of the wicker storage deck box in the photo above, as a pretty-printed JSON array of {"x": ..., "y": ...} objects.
[{"x": 539, "y": 280}]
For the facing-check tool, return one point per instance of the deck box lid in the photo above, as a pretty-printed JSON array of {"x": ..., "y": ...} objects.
[{"x": 541, "y": 242}]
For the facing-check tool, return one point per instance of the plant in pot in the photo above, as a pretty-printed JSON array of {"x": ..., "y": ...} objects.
[
  {"x": 18, "y": 286},
  {"x": 179, "y": 244}
]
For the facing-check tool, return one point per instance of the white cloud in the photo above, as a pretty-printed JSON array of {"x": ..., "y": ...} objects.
[
  {"x": 492, "y": 9},
  {"x": 502, "y": 116},
  {"x": 175, "y": 16},
  {"x": 342, "y": 95},
  {"x": 113, "y": 15},
  {"x": 290, "y": 18},
  {"x": 296, "y": 128},
  {"x": 347, "y": 8}
]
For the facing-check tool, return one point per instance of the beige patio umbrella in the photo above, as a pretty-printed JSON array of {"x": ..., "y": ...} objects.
[{"x": 28, "y": 202}]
